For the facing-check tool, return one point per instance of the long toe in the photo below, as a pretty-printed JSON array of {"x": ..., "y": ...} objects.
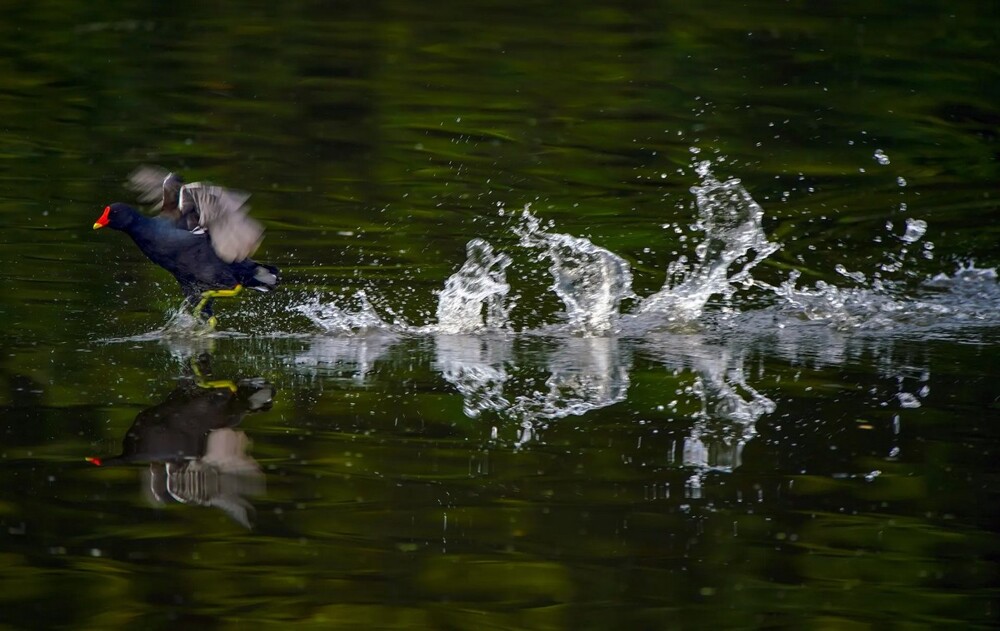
[{"x": 208, "y": 326}]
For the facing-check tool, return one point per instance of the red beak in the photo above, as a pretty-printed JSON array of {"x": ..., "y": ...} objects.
[
  {"x": 103, "y": 219},
  {"x": 92, "y": 460}
]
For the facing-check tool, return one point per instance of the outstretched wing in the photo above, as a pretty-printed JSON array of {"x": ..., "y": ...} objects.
[
  {"x": 155, "y": 184},
  {"x": 222, "y": 213},
  {"x": 147, "y": 182}
]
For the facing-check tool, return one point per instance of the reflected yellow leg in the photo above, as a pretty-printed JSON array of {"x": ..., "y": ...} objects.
[{"x": 201, "y": 382}]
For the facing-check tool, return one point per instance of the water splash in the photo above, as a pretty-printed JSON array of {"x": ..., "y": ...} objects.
[
  {"x": 590, "y": 280},
  {"x": 844, "y": 309},
  {"x": 901, "y": 259},
  {"x": 333, "y": 319},
  {"x": 732, "y": 224},
  {"x": 943, "y": 303},
  {"x": 858, "y": 277},
  {"x": 980, "y": 280},
  {"x": 182, "y": 330},
  {"x": 480, "y": 284},
  {"x": 894, "y": 297},
  {"x": 353, "y": 340}
]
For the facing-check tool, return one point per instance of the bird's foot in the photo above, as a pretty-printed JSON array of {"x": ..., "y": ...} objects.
[
  {"x": 201, "y": 323},
  {"x": 203, "y": 310}
]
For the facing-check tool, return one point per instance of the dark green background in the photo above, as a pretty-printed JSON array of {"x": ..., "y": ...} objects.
[{"x": 377, "y": 138}]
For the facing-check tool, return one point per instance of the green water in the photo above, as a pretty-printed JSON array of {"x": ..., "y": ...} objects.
[{"x": 778, "y": 462}]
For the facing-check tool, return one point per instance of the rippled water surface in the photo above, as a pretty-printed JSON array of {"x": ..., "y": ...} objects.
[{"x": 590, "y": 317}]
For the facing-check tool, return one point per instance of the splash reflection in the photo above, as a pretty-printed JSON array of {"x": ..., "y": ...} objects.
[
  {"x": 726, "y": 422},
  {"x": 586, "y": 374},
  {"x": 351, "y": 356},
  {"x": 477, "y": 367},
  {"x": 582, "y": 374}
]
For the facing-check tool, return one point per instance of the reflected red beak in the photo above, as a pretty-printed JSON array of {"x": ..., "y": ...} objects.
[
  {"x": 92, "y": 460},
  {"x": 103, "y": 219}
]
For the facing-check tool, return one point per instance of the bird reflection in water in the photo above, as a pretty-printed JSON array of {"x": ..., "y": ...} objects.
[{"x": 195, "y": 454}]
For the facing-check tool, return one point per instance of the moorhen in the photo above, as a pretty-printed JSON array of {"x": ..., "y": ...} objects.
[{"x": 202, "y": 235}]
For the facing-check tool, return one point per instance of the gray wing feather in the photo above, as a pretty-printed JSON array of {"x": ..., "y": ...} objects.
[
  {"x": 223, "y": 214},
  {"x": 147, "y": 182}
]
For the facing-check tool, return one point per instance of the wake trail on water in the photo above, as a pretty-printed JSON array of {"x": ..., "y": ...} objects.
[{"x": 591, "y": 283}]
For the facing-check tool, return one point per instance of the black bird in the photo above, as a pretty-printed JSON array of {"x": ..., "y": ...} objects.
[{"x": 202, "y": 236}]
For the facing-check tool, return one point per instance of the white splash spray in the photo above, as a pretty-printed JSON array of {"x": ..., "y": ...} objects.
[
  {"x": 479, "y": 285},
  {"x": 731, "y": 221},
  {"x": 590, "y": 280},
  {"x": 331, "y": 318}
]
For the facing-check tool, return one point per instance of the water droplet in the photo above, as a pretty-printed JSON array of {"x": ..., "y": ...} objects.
[
  {"x": 915, "y": 229},
  {"x": 881, "y": 157},
  {"x": 855, "y": 276}
]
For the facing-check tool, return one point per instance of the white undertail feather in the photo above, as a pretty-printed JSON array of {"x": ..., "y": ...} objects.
[{"x": 266, "y": 276}]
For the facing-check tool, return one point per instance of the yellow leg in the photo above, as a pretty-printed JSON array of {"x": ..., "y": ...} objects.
[
  {"x": 216, "y": 293},
  {"x": 224, "y": 293}
]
